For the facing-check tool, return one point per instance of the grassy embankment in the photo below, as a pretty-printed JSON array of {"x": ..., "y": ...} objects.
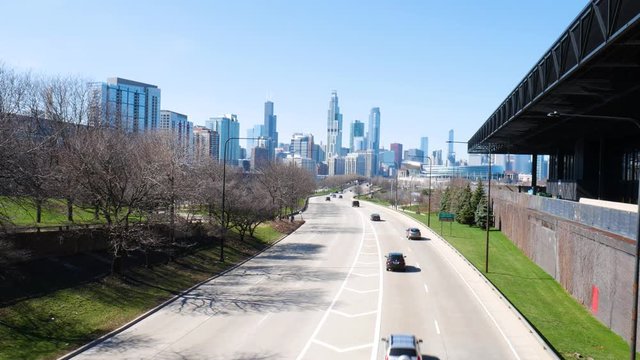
[
  {"x": 50, "y": 325},
  {"x": 567, "y": 325}
]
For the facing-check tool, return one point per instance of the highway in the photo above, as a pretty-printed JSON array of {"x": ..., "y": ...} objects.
[{"x": 323, "y": 293}]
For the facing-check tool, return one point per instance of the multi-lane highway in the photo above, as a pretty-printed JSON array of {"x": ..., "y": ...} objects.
[{"x": 323, "y": 293}]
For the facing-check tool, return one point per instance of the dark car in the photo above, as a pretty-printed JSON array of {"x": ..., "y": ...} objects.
[
  {"x": 339, "y": 196},
  {"x": 327, "y": 199},
  {"x": 395, "y": 261},
  {"x": 413, "y": 233},
  {"x": 375, "y": 217},
  {"x": 355, "y": 203}
]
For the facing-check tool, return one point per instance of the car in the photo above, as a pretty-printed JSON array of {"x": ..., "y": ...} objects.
[
  {"x": 355, "y": 203},
  {"x": 413, "y": 233},
  {"x": 395, "y": 261},
  {"x": 339, "y": 196},
  {"x": 327, "y": 199},
  {"x": 402, "y": 346},
  {"x": 333, "y": 195},
  {"x": 375, "y": 217}
]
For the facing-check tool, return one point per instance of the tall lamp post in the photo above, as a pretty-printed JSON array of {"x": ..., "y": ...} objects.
[
  {"x": 223, "y": 223},
  {"x": 634, "y": 312},
  {"x": 429, "y": 204},
  {"x": 487, "y": 221}
]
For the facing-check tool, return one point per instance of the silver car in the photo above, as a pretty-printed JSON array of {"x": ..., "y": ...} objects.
[
  {"x": 413, "y": 233},
  {"x": 402, "y": 346}
]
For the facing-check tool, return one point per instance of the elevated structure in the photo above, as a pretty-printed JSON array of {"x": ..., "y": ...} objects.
[{"x": 578, "y": 105}]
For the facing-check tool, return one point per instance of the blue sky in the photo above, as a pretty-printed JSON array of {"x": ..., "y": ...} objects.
[{"x": 429, "y": 65}]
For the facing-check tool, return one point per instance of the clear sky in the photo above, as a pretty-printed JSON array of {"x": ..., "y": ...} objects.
[{"x": 429, "y": 65}]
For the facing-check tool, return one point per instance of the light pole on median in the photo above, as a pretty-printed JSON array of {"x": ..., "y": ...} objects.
[
  {"x": 223, "y": 222},
  {"x": 429, "y": 204},
  {"x": 634, "y": 312}
]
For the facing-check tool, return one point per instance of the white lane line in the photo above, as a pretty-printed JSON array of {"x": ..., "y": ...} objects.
[
  {"x": 376, "y": 334},
  {"x": 263, "y": 319},
  {"x": 437, "y": 327},
  {"x": 361, "y": 291},
  {"x": 426, "y": 289},
  {"x": 336, "y": 349},
  {"x": 335, "y": 299},
  {"x": 353, "y": 315},
  {"x": 481, "y": 304}
]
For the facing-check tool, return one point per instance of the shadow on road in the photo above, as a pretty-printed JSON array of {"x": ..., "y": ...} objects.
[
  {"x": 292, "y": 251},
  {"x": 411, "y": 269}
]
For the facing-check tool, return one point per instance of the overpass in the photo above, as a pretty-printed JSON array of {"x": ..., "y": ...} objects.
[{"x": 579, "y": 104}]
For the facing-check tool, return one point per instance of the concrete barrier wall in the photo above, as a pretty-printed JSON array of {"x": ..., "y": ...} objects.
[{"x": 586, "y": 248}]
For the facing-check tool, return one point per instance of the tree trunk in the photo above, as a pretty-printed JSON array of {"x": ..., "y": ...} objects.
[
  {"x": 38, "y": 211},
  {"x": 70, "y": 210}
]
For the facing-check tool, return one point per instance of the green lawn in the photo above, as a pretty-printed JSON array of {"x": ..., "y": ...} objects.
[
  {"x": 557, "y": 316},
  {"x": 22, "y": 212},
  {"x": 49, "y": 326}
]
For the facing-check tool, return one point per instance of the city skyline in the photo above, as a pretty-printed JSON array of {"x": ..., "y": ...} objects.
[{"x": 413, "y": 62}]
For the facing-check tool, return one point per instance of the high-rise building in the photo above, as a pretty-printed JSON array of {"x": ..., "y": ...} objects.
[
  {"x": 397, "y": 149},
  {"x": 206, "y": 143},
  {"x": 414, "y": 155},
  {"x": 179, "y": 125},
  {"x": 437, "y": 157},
  {"x": 451, "y": 155},
  {"x": 373, "y": 137},
  {"x": 334, "y": 128},
  {"x": 354, "y": 164},
  {"x": 270, "y": 128},
  {"x": 259, "y": 157},
  {"x": 317, "y": 153},
  {"x": 228, "y": 128},
  {"x": 424, "y": 146},
  {"x": 129, "y": 105},
  {"x": 356, "y": 136},
  {"x": 253, "y": 137},
  {"x": 302, "y": 145}
]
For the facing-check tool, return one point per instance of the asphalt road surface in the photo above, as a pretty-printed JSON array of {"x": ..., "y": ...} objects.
[{"x": 323, "y": 293}]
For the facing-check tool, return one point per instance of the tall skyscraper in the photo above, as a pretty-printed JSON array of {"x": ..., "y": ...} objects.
[
  {"x": 228, "y": 128},
  {"x": 253, "y": 136},
  {"x": 179, "y": 125},
  {"x": 373, "y": 137},
  {"x": 129, "y": 105},
  {"x": 397, "y": 149},
  {"x": 301, "y": 145},
  {"x": 270, "y": 129},
  {"x": 451, "y": 155},
  {"x": 334, "y": 127},
  {"x": 206, "y": 143},
  {"x": 424, "y": 146},
  {"x": 356, "y": 135}
]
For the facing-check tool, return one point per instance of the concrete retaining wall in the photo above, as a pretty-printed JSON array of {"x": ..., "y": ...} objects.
[{"x": 587, "y": 249}]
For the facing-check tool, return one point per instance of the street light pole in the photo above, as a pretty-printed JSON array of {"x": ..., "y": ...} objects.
[
  {"x": 429, "y": 204},
  {"x": 634, "y": 311},
  {"x": 223, "y": 223}
]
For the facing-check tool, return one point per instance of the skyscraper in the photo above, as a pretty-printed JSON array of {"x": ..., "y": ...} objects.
[
  {"x": 179, "y": 126},
  {"x": 129, "y": 105},
  {"x": 397, "y": 149},
  {"x": 270, "y": 129},
  {"x": 356, "y": 135},
  {"x": 334, "y": 127},
  {"x": 301, "y": 145},
  {"x": 424, "y": 146},
  {"x": 228, "y": 129},
  {"x": 253, "y": 136},
  {"x": 373, "y": 137},
  {"x": 451, "y": 155}
]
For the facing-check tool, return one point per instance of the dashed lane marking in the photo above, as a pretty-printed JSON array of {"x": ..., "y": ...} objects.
[
  {"x": 337, "y": 349},
  {"x": 354, "y": 315}
]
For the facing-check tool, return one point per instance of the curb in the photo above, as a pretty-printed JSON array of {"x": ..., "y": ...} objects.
[{"x": 152, "y": 311}]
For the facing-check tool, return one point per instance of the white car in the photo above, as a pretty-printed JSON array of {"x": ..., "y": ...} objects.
[{"x": 401, "y": 347}]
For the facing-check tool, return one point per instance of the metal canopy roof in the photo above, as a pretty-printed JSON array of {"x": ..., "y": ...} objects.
[{"x": 590, "y": 77}]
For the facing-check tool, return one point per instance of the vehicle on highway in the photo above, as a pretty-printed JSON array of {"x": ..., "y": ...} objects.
[
  {"x": 339, "y": 196},
  {"x": 355, "y": 203},
  {"x": 413, "y": 233},
  {"x": 327, "y": 199},
  {"x": 333, "y": 195},
  {"x": 395, "y": 261},
  {"x": 402, "y": 346},
  {"x": 375, "y": 217}
]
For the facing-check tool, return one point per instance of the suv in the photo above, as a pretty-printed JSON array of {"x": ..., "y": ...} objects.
[
  {"x": 327, "y": 199},
  {"x": 413, "y": 233},
  {"x": 395, "y": 261},
  {"x": 402, "y": 346},
  {"x": 375, "y": 217},
  {"x": 355, "y": 203}
]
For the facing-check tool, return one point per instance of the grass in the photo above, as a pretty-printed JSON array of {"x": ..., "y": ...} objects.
[
  {"x": 48, "y": 326},
  {"x": 22, "y": 212},
  {"x": 557, "y": 316}
]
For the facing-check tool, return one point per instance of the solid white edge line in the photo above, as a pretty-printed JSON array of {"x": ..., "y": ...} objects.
[
  {"x": 376, "y": 334},
  {"x": 437, "y": 327},
  {"x": 426, "y": 289},
  {"x": 513, "y": 350},
  {"x": 335, "y": 299}
]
